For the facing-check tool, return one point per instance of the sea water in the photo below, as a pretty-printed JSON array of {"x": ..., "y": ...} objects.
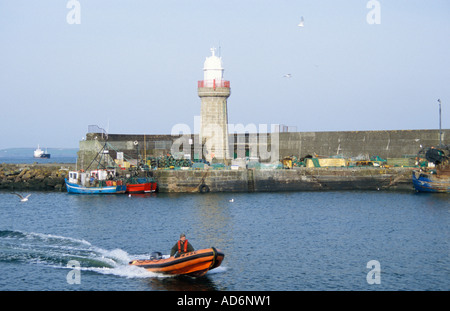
[{"x": 280, "y": 241}]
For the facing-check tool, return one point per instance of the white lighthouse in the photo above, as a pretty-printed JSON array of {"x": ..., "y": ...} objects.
[{"x": 214, "y": 91}]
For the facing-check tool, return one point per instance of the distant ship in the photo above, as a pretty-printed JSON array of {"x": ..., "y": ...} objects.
[{"x": 39, "y": 153}]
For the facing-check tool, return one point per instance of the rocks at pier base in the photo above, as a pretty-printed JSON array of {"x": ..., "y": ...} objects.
[{"x": 39, "y": 177}]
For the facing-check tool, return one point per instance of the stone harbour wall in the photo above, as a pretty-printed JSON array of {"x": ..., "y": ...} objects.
[
  {"x": 346, "y": 144},
  {"x": 299, "y": 179},
  {"x": 362, "y": 144}
]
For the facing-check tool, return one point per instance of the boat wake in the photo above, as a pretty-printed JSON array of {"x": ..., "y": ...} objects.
[{"x": 57, "y": 251}]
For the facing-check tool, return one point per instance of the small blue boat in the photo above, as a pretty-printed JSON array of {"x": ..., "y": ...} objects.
[
  {"x": 85, "y": 183},
  {"x": 436, "y": 178},
  {"x": 427, "y": 182}
]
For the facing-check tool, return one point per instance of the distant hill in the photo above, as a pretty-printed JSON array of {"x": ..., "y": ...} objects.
[{"x": 28, "y": 152}]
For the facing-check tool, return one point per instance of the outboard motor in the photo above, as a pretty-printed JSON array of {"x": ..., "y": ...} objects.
[{"x": 155, "y": 256}]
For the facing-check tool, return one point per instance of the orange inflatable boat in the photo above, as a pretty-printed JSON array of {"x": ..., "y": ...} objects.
[{"x": 194, "y": 264}]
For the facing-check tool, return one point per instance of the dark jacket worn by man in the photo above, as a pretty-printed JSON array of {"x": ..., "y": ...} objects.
[{"x": 181, "y": 247}]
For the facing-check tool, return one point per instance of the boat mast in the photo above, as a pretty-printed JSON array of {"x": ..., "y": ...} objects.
[{"x": 440, "y": 127}]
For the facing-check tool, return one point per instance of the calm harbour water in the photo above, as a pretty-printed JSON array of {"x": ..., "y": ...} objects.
[{"x": 272, "y": 241}]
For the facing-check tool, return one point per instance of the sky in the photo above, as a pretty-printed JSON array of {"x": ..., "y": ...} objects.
[{"x": 131, "y": 67}]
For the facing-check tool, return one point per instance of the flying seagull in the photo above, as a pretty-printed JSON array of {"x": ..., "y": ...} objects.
[
  {"x": 22, "y": 199},
  {"x": 288, "y": 75},
  {"x": 302, "y": 23}
]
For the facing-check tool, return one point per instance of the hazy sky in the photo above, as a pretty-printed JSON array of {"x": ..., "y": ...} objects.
[{"x": 133, "y": 66}]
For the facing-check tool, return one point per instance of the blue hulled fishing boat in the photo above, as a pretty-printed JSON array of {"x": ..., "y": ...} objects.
[
  {"x": 102, "y": 180},
  {"x": 94, "y": 182},
  {"x": 437, "y": 177},
  {"x": 430, "y": 182}
]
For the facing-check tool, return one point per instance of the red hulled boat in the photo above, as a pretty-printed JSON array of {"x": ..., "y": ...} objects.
[{"x": 141, "y": 185}]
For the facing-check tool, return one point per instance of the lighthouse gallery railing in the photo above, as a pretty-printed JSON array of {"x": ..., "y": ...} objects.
[{"x": 214, "y": 83}]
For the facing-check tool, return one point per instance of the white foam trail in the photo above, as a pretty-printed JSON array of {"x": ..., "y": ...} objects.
[
  {"x": 127, "y": 271},
  {"x": 219, "y": 269},
  {"x": 55, "y": 251},
  {"x": 48, "y": 237},
  {"x": 119, "y": 260}
]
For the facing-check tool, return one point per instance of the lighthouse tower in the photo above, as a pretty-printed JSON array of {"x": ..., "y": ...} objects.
[{"x": 214, "y": 91}]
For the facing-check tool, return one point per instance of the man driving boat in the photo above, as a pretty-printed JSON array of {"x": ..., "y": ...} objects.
[{"x": 181, "y": 247}]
